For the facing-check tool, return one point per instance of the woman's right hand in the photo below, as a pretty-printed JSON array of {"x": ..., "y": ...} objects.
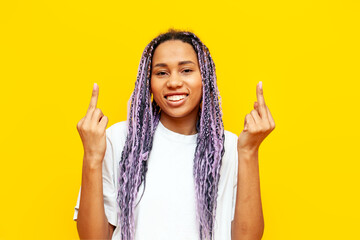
[{"x": 92, "y": 130}]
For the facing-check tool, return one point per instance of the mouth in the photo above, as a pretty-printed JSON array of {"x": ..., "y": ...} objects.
[{"x": 176, "y": 98}]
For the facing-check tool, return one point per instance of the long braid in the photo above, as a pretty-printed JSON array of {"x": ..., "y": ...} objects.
[
  {"x": 210, "y": 145},
  {"x": 143, "y": 119}
]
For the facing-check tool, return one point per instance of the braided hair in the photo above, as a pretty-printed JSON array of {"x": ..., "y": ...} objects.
[{"x": 143, "y": 118}]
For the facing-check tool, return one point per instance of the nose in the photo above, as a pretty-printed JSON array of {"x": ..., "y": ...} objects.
[{"x": 174, "y": 81}]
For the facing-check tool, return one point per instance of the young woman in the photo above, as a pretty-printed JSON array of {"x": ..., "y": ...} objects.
[{"x": 171, "y": 171}]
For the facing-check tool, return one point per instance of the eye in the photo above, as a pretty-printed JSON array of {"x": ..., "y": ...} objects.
[
  {"x": 188, "y": 70},
  {"x": 160, "y": 73}
]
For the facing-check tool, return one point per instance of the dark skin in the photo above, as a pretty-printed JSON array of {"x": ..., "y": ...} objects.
[
  {"x": 169, "y": 76},
  {"x": 175, "y": 70},
  {"x": 248, "y": 221},
  {"x": 92, "y": 222}
]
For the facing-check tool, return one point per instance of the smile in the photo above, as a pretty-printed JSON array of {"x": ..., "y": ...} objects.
[{"x": 175, "y": 98}]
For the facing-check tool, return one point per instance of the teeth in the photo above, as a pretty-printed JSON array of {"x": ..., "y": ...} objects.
[{"x": 175, "y": 97}]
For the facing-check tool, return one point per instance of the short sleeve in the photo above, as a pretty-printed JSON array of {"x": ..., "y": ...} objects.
[
  {"x": 109, "y": 183},
  {"x": 77, "y": 206},
  {"x": 235, "y": 179}
]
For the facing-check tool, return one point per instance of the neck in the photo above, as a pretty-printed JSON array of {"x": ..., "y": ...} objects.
[{"x": 182, "y": 125}]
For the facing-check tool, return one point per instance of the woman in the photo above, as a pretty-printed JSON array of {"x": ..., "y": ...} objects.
[{"x": 174, "y": 151}]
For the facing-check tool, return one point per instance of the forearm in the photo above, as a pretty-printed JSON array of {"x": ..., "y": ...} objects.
[
  {"x": 92, "y": 222},
  {"x": 248, "y": 223}
]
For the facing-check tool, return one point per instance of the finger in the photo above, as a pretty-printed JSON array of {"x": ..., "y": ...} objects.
[
  {"x": 96, "y": 117},
  {"x": 103, "y": 122},
  {"x": 256, "y": 117},
  {"x": 79, "y": 124},
  {"x": 249, "y": 122},
  {"x": 245, "y": 124},
  {"x": 94, "y": 97},
  {"x": 256, "y": 106},
  {"x": 261, "y": 100},
  {"x": 271, "y": 119}
]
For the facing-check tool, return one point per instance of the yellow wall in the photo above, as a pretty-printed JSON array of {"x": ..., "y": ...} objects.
[{"x": 305, "y": 52}]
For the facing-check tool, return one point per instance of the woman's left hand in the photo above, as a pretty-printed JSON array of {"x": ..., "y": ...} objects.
[{"x": 258, "y": 124}]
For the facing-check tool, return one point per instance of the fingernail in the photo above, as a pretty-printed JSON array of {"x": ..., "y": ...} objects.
[
  {"x": 95, "y": 85},
  {"x": 260, "y": 84}
]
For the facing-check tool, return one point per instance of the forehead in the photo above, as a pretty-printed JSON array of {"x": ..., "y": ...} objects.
[{"x": 173, "y": 51}]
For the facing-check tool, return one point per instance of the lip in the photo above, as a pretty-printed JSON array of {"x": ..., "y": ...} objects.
[
  {"x": 176, "y": 103},
  {"x": 175, "y": 93}
]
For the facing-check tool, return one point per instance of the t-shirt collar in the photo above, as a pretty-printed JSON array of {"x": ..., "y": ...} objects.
[{"x": 174, "y": 136}]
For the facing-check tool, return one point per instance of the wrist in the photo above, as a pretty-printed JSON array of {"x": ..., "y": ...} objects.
[
  {"x": 248, "y": 152},
  {"x": 247, "y": 155},
  {"x": 92, "y": 163}
]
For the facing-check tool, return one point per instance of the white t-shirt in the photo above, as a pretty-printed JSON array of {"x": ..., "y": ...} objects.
[{"x": 167, "y": 209}]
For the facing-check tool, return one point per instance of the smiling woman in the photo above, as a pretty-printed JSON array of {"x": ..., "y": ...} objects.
[
  {"x": 174, "y": 143},
  {"x": 176, "y": 85}
]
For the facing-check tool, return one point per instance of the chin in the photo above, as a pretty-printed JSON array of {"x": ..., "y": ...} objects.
[{"x": 180, "y": 113}]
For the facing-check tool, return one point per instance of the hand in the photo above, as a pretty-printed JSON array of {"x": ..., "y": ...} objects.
[
  {"x": 92, "y": 130},
  {"x": 258, "y": 124}
]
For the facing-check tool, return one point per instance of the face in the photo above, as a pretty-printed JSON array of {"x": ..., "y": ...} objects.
[{"x": 176, "y": 81}]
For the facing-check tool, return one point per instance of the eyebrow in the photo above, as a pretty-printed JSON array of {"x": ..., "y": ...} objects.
[{"x": 179, "y": 64}]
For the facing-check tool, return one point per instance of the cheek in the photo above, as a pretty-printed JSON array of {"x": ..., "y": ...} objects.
[
  {"x": 198, "y": 87},
  {"x": 155, "y": 90}
]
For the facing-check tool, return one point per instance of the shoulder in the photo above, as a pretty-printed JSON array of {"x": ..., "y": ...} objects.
[
  {"x": 117, "y": 131},
  {"x": 229, "y": 163},
  {"x": 230, "y": 147},
  {"x": 230, "y": 141}
]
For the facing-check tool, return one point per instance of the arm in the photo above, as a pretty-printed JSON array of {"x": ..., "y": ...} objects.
[
  {"x": 248, "y": 221},
  {"x": 92, "y": 222}
]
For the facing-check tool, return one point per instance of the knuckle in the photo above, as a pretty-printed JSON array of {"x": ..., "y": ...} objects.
[
  {"x": 252, "y": 130},
  {"x": 91, "y": 108},
  {"x": 97, "y": 111},
  {"x": 85, "y": 128},
  {"x": 266, "y": 127},
  {"x": 100, "y": 112},
  {"x": 261, "y": 130}
]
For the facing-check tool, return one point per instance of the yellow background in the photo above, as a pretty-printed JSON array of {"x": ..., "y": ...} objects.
[{"x": 305, "y": 52}]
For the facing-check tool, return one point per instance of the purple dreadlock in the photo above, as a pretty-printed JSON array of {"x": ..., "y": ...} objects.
[{"x": 143, "y": 118}]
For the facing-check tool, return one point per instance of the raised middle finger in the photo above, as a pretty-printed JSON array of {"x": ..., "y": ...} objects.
[
  {"x": 261, "y": 101},
  {"x": 94, "y": 98}
]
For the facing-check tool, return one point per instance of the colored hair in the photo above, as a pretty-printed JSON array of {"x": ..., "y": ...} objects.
[{"x": 143, "y": 118}]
